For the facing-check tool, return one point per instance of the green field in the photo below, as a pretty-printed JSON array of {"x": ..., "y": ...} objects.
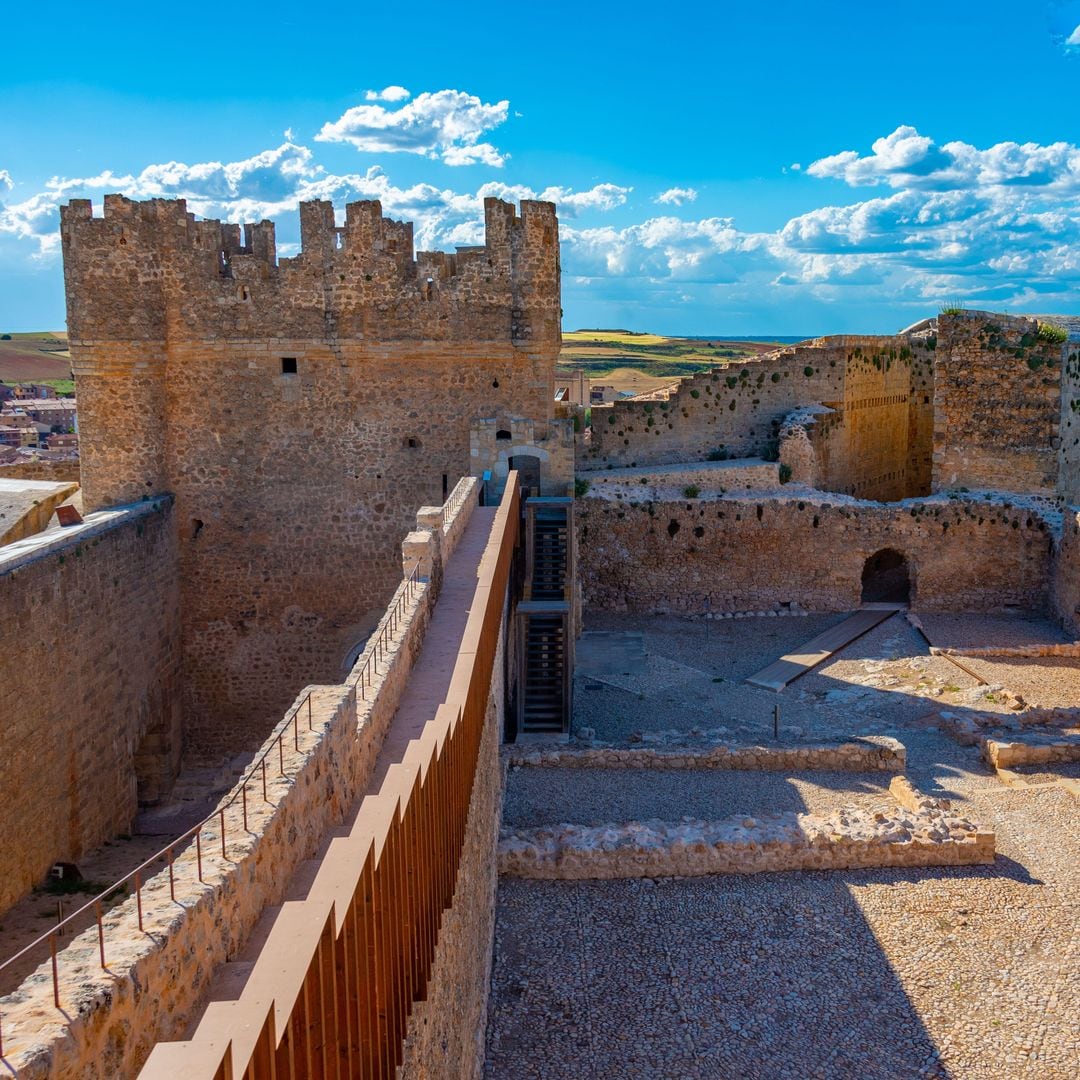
[{"x": 641, "y": 362}]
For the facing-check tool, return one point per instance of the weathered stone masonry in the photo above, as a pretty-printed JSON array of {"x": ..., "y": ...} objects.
[
  {"x": 294, "y": 490},
  {"x": 89, "y": 689},
  {"x": 750, "y": 554}
]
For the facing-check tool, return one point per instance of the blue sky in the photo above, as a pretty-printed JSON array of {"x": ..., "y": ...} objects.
[{"x": 782, "y": 168}]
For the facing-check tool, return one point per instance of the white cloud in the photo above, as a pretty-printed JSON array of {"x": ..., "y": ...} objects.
[
  {"x": 387, "y": 93},
  {"x": 1074, "y": 37},
  {"x": 906, "y": 159},
  {"x": 447, "y": 124},
  {"x": 5, "y": 179},
  {"x": 676, "y": 196}
]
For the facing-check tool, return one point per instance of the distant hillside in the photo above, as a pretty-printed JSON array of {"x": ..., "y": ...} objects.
[
  {"x": 37, "y": 357},
  {"x": 639, "y": 362}
]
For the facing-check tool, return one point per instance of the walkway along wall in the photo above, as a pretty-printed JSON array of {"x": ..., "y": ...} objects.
[
  {"x": 751, "y": 554},
  {"x": 320, "y": 758},
  {"x": 89, "y": 685},
  {"x": 400, "y": 910}
]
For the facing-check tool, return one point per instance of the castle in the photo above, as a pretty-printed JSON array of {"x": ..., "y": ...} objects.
[{"x": 329, "y": 535}]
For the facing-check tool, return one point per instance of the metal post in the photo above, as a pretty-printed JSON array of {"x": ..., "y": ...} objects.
[{"x": 776, "y": 721}]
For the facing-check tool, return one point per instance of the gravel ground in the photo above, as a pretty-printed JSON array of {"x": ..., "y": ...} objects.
[
  {"x": 962, "y": 972},
  {"x": 1048, "y": 774},
  {"x": 1051, "y": 681},
  {"x": 879, "y": 685},
  {"x": 543, "y": 796},
  {"x": 977, "y": 631}
]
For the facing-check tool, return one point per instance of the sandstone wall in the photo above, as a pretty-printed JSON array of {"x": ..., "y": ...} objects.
[
  {"x": 294, "y": 490},
  {"x": 1066, "y": 586},
  {"x": 750, "y": 553},
  {"x": 876, "y": 443},
  {"x": 741, "y": 474},
  {"x": 89, "y": 685},
  {"x": 1069, "y": 431},
  {"x": 997, "y": 404},
  {"x": 58, "y": 471}
]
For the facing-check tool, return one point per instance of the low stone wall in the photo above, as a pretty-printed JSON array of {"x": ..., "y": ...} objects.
[
  {"x": 874, "y": 753},
  {"x": 1007, "y": 755},
  {"x": 445, "y": 1034},
  {"x": 1071, "y": 648},
  {"x": 159, "y": 976},
  {"x": 964, "y": 553},
  {"x": 61, "y": 472},
  {"x": 844, "y": 839},
  {"x": 668, "y": 481}
]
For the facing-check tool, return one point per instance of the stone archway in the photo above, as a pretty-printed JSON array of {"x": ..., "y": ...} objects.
[{"x": 886, "y": 578}]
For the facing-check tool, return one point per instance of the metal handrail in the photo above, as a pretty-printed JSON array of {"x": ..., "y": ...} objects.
[{"x": 378, "y": 651}]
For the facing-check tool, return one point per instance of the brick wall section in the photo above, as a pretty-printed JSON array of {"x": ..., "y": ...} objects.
[
  {"x": 755, "y": 554},
  {"x": 90, "y": 695},
  {"x": 997, "y": 404},
  {"x": 293, "y": 491},
  {"x": 879, "y": 387}
]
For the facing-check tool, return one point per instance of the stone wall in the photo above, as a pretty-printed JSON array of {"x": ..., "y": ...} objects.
[
  {"x": 294, "y": 490},
  {"x": 997, "y": 405},
  {"x": 1069, "y": 430},
  {"x": 61, "y": 472},
  {"x": 1066, "y": 585},
  {"x": 717, "y": 477},
  {"x": 89, "y": 685},
  {"x": 157, "y": 980},
  {"x": 879, "y": 436},
  {"x": 745, "y": 553}
]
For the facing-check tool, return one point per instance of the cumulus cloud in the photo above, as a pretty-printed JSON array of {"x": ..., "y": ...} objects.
[
  {"x": 676, "y": 196},
  {"x": 387, "y": 93},
  {"x": 906, "y": 159},
  {"x": 446, "y": 125},
  {"x": 1074, "y": 38},
  {"x": 5, "y": 180}
]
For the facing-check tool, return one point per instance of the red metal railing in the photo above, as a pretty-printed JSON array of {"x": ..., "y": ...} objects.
[{"x": 257, "y": 775}]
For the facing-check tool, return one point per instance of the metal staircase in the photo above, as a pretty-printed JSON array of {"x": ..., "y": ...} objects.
[{"x": 545, "y": 618}]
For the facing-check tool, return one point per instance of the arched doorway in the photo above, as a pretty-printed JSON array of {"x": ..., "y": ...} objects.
[{"x": 885, "y": 578}]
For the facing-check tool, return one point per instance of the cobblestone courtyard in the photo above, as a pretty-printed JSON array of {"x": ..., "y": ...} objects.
[{"x": 963, "y": 972}]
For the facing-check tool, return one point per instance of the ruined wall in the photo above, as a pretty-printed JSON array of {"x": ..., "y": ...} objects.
[
  {"x": 89, "y": 685},
  {"x": 748, "y": 554},
  {"x": 294, "y": 490},
  {"x": 1066, "y": 586},
  {"x": 997, "y": 404},
  {"x": 876, "y": 443},
  {"x": 1069, "y": 431},
  {"x": 60, "y": 472}
]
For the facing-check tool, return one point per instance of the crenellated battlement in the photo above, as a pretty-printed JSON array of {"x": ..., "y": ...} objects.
[{"x": 152, "y": 263}]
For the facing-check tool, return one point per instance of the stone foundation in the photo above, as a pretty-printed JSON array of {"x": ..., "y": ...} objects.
[
  {"x": 845, "y": 839},
  {"x": 866, "y": 755}
]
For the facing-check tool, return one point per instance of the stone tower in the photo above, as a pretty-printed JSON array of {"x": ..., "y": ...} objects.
[{"x": 300, "y": 410}]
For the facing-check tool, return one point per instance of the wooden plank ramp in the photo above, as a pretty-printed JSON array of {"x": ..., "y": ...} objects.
[{"x": 790, "y": 666}]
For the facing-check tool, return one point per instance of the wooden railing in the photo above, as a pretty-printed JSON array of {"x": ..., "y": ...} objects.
[{"x": 334, "y": 984}]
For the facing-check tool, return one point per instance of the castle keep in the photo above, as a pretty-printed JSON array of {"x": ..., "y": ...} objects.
[
  {"x": 299, "y": 411},
  {"x": 365, "y": 631}
]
